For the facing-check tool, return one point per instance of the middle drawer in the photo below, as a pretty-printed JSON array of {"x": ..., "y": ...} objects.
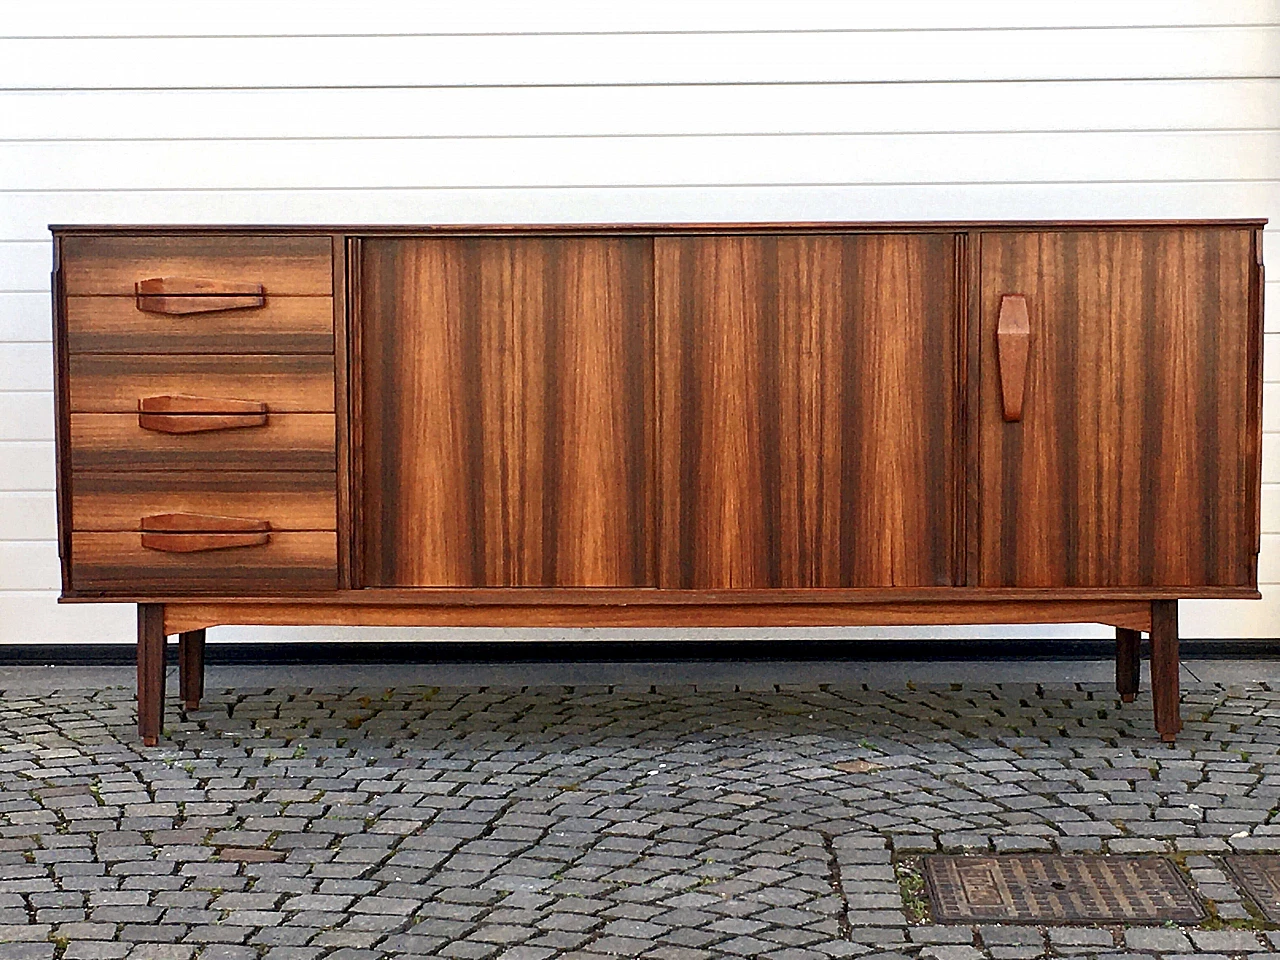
[
  {"x": 289, "y": 441},
  {"x": 115, "y": 383}
]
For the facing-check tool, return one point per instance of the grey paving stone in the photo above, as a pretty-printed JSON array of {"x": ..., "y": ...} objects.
[
  {"x": 1226, "y": 941},
  {"x": 1080, "y": 936},
  {"x": 954, "y": 951},
  {"x": 941, "y": 934},
  {"x": 1157, "y": 939}
]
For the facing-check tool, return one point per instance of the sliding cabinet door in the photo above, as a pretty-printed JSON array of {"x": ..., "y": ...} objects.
[
  {"x": 806, "y": 410},
  {"x": 507, "y": 411}
]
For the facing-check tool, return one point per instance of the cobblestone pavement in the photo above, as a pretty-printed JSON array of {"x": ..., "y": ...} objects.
[{"x": 680, "y": 822}]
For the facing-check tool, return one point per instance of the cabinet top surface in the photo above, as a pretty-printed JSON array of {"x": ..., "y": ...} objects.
[{"x": 647, "y": 228}]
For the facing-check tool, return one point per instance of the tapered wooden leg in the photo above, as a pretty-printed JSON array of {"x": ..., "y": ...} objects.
[
  {"x": 191, "y": 668},
  {"x": 150, "y": 672},
  {"x": 1164, "y": 668},
  {"x": 1128, "y": 663}
]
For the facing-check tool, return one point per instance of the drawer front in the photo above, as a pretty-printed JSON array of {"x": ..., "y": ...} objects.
[
  {"x": 106, "y": 383},
  {"x": 282, "y": 265},
  {"x": 287, "y": 441},
  {"x": 281, "y": 325},
  {"x": 118, "y": 562},
  {"x": 287, "y": 500}
]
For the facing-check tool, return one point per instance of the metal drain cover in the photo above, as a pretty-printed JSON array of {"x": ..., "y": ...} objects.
[
  {"x": 1258, "y": 875},
  {"x": 1055, "y": 889}
]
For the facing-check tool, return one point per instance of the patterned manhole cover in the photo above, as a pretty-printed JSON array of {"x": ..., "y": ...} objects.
[
  {"x": 1053, "y": 889},
  {"x": 1258, "y": 875}
]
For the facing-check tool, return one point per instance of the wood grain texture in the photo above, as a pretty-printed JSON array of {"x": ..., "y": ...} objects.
[
  {"x": 288, "y": 500},
  {"x": 283, "y": 264},
  {"x": 191, "y": 668},
  {"x": 202, "y": 523},
  {"x": 118, "y": 562},
  {"x": 1165, "y": 688},
  {"x": 181, "y": 413},
  {"x": 281, "y": 325},
  {"x": 186, "y": 403},
  {"x": 114, "y": 383},
  {"x": 1013, "y": 345},
  {"x": 182, "y": 306},
  {"x": 343, "y": 405},
  {"x": 199, "y": 422},
  {"x": 806, "y": 410},
  {"x": 1132, "y": 462},
  {"x": 61, "y": 416},
  {"x": 197, "y": 287},
  {"x": 202, "y": 542},
  {"x": 192, "y": 616},
  {"x": 924, "y": 598},
  {"x": 506, "y": 411},
  {"x": 1128, "y": 664},
  {"x": 288, "y": 441},
  {"x": 151, "y": 670}
]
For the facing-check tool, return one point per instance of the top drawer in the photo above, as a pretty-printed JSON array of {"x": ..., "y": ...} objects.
[{"x": 283, "y": 265}]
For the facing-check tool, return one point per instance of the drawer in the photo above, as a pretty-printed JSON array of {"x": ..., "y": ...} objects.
[
  {"x": 280, "y": 325},
  {"x": 287, "y": 561},
  {"x": 287, "y": 441},
  {"x": 287, "y": 500},
  {"x": 109, "y": 383},
  {"x": 281, "y": 265}
]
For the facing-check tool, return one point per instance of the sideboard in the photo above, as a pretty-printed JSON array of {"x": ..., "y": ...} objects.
[{"x": 791, "y": 425}]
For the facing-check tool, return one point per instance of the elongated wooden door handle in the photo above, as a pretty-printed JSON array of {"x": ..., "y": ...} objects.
[
  {"x": 186, "y": 414},
  {"x": 181, "y": 295},
  {"x": 1013, "y": 350},
  {"x": 194, "y": 532}
]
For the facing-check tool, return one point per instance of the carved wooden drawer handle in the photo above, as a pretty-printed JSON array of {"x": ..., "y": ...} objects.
[
  {"x": 185, "y": 414},
  {"x": 1013, "y": 348},
  {"x": 179, "y": 295},
  {"x": 193, "y": 532}
]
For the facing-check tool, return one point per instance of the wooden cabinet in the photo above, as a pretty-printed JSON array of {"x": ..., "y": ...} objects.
[{"x": 758, "y": 425}]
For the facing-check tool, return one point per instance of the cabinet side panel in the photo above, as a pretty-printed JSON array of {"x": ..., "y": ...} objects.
[
  {"x": 61, "y": 423},
  {"x": 506, "y": 411},
  {"x": 1126, "y": 468},
  {"x": 805, "y": 410}
]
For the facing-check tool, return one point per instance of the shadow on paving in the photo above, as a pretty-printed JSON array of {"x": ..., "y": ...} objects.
[{"x": 607, "y": 821}]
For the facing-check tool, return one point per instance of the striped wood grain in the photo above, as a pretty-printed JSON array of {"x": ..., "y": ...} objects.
[
  {"x": 806, "y": 410},
  {"x": 506, "y": 412},
  {"x": 114, "y": 383},
  {"x": 103, "y": 265},
  {"x": 282, "y": 325},
  {"x": 288, "y": 500},
  {"x": 1138, "y": 447},
  {"x": 288, "y": 441},
  {"x": 290, "y": 560}
]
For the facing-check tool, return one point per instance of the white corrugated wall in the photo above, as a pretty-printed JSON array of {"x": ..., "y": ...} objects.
[{"x": 489, "y": 111}]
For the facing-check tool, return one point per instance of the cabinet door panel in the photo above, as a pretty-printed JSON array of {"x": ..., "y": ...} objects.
[
  {"x": 806, "y": 410},
  {"x": 507, "y": 409},
  {"x": 1136, "y": 454}
]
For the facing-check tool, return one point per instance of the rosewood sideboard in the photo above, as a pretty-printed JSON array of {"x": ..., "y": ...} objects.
[{"x": 789, "y": 425}]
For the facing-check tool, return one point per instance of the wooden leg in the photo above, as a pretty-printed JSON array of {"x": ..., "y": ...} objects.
[
  {"x": 191, "y": 668},
  {"x": 150, "y": 672},
  {"x": 1164, "y": 668},
  {"x": 1128, "y": 663}
]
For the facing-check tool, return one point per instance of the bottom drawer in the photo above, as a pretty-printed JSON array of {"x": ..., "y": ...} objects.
[{"x": 118, "y": 563}]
